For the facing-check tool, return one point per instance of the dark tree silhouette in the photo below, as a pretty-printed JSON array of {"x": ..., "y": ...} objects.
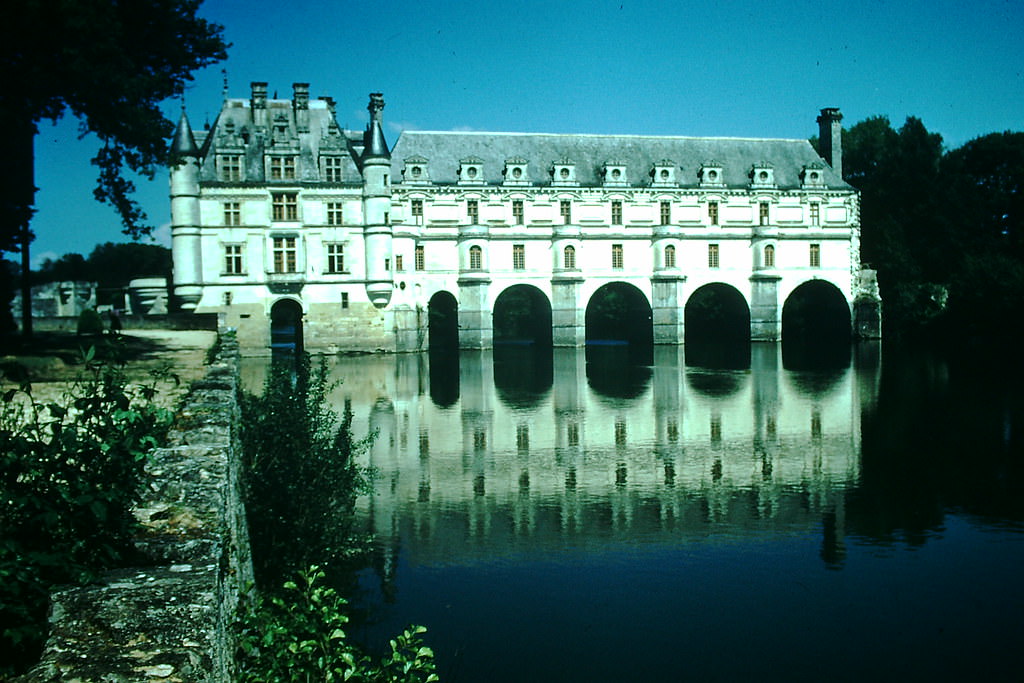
[{"x": 110, "y": 63}]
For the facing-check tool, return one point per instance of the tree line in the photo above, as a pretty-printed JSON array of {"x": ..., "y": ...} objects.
[{"x": 943, "y": 228}]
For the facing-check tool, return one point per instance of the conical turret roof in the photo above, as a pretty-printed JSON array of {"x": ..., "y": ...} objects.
[{"x": 184, "y": 142}]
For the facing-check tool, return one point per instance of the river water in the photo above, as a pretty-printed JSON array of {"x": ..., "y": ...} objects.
[{"x": 551, "y": 516}]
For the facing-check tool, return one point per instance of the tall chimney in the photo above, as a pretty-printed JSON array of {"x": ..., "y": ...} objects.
[
  {"x": 259, "y": 103},
  {"x": 830, "y": 138},
  {"x": 301, "y": 105}
]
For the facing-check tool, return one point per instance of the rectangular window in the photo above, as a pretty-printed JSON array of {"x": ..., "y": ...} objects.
[
  {"x": 231, "y": 167},
  {"x": 518, "y": 257},
  {"x": 476, "y": 258},
  {"x": 712, "y": 256},
  {"x": 334, "y": 213},
  {"x": 713, "y": 212},
  {"x": 399, "y": 263},
  {"x": 666, "y": 213},
  {"x": 332, "y": 169},
  {"x": 815, "y": 256},
  {"x": 344, "y": 299},
  {"x": 565, "y": 209},
  {"x": 282, "y": 168},
  {"x": 232, "y": 213},
  {"x": 233, "y": 259},
  {"x": 285, "y": 206},
  {"x": 763, "y": 213},
  {"x": 670, "y": 256},
  {"x": 616, "y": 212},
  {"x": 815, "y": 214},
  {"x": 335, "y": 257},
  {"x": 420, "y": 258},
  {"x": 517, "y": 211},
  {"x": 285, "y": 255},
  {"x": 417, "y": 211},
  {"x": 616, "y": 256},
  {"x": 473, "y": 209}
]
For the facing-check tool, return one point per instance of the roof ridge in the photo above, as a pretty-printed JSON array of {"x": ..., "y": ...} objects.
[{"x": 600, "y": 135}]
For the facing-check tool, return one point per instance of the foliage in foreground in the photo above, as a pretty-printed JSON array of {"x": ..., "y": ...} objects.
[
  {"x": 301, "y": 479},
  {"x": 70, "y": 471},
  {"x": 300, "y": 636}
]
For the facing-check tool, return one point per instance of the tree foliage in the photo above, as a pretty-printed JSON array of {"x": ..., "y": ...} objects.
[
  {"x": 943, "y": 228},
  {"x": 109, "y": 265},
  {"x": 110, "y": 63}
]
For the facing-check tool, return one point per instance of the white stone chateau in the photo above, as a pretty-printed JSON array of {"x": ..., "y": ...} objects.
[{"x": 281, "y": 219}]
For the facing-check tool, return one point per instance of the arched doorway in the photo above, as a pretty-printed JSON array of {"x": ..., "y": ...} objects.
[
  {"x": 816, "y": 327},
  {"x": 286, "y": 326},
  {"x": 442, "y": 322},
  {"x": 717, "y": 328}
]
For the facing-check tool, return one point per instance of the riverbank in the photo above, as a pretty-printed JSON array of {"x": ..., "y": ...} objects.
[{"x": 168, "y": 617}]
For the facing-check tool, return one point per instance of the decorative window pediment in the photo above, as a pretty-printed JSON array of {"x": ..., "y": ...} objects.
[
  {"x": 710, "y": 174},
  {"x": 515, "y": 171},
  {"x": 415, "y": 170},
  {"x": 664, "y": 174},
  {"x": 613, "y": 174},
  {"x": 563, "y": 173},
  {"x": 471, "y": 171}
]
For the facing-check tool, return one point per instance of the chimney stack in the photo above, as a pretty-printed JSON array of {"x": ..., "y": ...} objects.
[
  {"x": 300, "y": 103},
  {"x": 830, "y": 138},
  {"x": 259, "y": 103}
]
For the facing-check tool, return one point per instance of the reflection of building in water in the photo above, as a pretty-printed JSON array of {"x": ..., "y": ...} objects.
[{"x": 683, "y": 450}]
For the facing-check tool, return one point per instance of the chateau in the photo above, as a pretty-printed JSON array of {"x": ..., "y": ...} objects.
[{"x": 294, "y": 229}]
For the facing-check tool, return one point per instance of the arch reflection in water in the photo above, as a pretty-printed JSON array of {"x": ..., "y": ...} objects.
[{"x": 522, "y": 466}]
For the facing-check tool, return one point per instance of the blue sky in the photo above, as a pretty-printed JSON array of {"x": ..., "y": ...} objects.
[{"x": 705, "y": 68}]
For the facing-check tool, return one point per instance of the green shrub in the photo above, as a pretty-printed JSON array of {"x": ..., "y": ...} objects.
[
  {"x": 70, "y": 471},
  {"x": 301, "y": 478},
  {"x": 90, "y": 322},
  {"x": 300, "y": 636}
]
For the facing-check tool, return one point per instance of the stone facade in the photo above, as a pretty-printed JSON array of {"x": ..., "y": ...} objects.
[{"x": 280, "y": 215}]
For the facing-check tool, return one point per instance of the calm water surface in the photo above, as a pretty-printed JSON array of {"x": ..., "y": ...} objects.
[{"x": 554, "y": 517}]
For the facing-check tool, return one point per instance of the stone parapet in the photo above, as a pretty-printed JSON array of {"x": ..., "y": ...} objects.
[{"x": 169, "y": 619}]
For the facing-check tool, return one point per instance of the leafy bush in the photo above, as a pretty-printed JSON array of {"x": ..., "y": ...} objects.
[
  {"x": 70, "y": 471},
  {"x": 300, "y": 636},
  {"x": 90, "y": 322},
  {"x": 301, "y": 479}
]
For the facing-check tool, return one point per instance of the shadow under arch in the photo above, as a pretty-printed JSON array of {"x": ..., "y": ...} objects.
[
  {"x": 619, "y": 314},
  {"x": 286, "y": 327},
  {"x": 522, "y": 316},
  {"x": 522, "y": 346},
  {"x": 443, "y": 322},
  {"x": 817, "y": 331},
  {"x": 716, "y": 321}
]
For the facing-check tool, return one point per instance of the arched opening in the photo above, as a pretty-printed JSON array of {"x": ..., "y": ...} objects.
[
  {"x": 442, "y": 322},
  {"x": 816, "y": 327},
  {"x": 619, "y": 314},
  {"x": 286, "y": 326},
  {"x": 443, "y": 348},
  {"x": 522, "y": 316},
  {"x": 717, "y": 328}
]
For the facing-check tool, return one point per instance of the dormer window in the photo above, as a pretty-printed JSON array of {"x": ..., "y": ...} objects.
[
  {"x": 515, "y": 172},
  {"x": 614, "y": 173},
  {"x": 415, "y": 170},
  {"x": 563, "y": 173},
  {"x": 282, "y": 168},
  {"x": 664, "y": 174},
  {"x": 813, "y": 175},
  {"x": 762, "y": 175},
  {"x": 471, "y": 171},
  {"x": 710, "y": 175}
]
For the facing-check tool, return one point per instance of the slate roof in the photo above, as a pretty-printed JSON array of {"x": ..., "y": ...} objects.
[{"x": 736, "y": 156}]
